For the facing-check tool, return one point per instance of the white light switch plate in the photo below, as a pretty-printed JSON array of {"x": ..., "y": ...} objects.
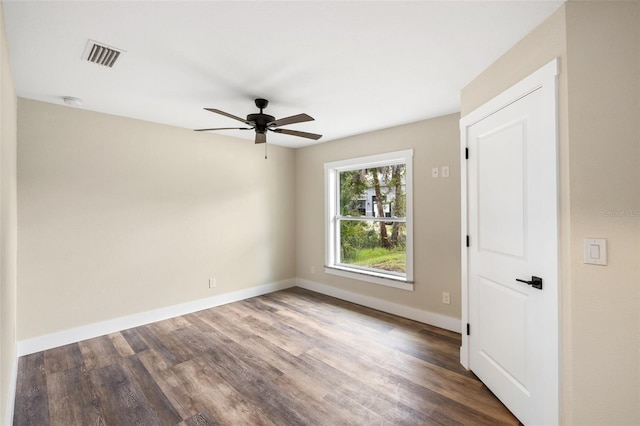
[
  {"x": 434, "y": 172},
  {"x": 595, "y": 251}
]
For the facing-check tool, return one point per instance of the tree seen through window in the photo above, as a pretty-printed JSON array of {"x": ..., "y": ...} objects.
[{"x": 365, "y": 195}]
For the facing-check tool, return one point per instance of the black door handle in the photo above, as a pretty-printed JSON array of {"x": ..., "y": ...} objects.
[{"x": 536, "y": 282}]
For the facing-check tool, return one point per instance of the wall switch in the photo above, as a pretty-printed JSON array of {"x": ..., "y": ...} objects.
[
  {"x": 445, "y": 171},
  {"x": 595, "y": 251},
  {"x": 434, "y": 172},
  {"x": 212, "y": 282},
  {"x": 446, "y": 299}
]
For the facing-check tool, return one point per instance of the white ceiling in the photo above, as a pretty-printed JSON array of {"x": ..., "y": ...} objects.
[{"x": 354, "y": 66}]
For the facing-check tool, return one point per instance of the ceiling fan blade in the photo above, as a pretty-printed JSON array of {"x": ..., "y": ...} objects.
[
  {"x": 224, "y": 128},
  {"x": 300, "y": 118},
  {"x": 226, "y": 114},
  {"x": 297, "y": 133},
  {"x": 261, "y": 138}
]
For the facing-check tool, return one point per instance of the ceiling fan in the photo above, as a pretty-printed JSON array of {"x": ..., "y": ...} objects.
[{"x": 262, "y": 123}]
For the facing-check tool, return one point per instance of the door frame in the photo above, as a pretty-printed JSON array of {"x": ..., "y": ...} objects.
[{"x": 544, "y": 79}]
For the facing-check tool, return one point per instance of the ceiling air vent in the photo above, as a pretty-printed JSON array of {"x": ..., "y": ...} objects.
[{"x": 101, "y": 54}]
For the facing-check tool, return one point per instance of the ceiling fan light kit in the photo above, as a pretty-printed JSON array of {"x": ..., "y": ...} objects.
[{"x": 261, "y": 123}]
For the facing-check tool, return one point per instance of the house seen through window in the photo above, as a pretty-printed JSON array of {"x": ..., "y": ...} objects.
[{"x": 369, "y": 220}]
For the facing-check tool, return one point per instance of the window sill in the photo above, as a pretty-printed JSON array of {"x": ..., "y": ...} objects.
[{"x": 374, "y": 278}]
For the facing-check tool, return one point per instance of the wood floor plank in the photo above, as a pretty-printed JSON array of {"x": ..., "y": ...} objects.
[
  {"x": 211, "y": 393},
  {"x": 155, "y": 399},
  {"x": 72, "y": 400},
  {"x": 199, "y": 419},
  {"x": 63, "y": 358},
  {"x": 134, "y": 339},
  {"x": 121, "y": 345},
  {"x": 155, "y": 342},
  {"x": 301, "y": 387},
  {"x": 169, "y": 325},
  {"x": 121, "y": 400},
  {"x": 292, "y": 357},
  {"x": 169, "y": 383},
  {"x": 99, "y": 352}
]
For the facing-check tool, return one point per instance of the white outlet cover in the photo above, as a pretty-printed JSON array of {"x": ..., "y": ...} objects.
[{"x": 445, "y": 171}]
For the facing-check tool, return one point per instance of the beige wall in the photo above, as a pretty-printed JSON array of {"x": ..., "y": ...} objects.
[
  {"x": 8, "y": 237},
  {"x": 604, "y": 64},
  {"x": 598, "y": 46},
  {"x": 119, "y": 216},
  {"x": 436, "y": 211}
]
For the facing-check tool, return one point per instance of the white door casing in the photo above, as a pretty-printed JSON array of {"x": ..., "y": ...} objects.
[{"x": 510, "y": 214}]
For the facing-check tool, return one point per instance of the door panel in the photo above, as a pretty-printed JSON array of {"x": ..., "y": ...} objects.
[
  {"x": 501, "y": 212},
  {"x": 505, "y": 346}
]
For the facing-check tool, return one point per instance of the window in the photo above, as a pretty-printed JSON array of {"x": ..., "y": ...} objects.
[{"x": 359, "y": 244}]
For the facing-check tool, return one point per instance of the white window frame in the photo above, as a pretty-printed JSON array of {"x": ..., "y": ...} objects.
[{"x": 332, "y": 230}]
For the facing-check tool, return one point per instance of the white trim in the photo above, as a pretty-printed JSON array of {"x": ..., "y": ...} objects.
[
  {"x": 89, "y": 331},
  {"x": 369, "y": 276},
  {"x": 11, "y": 400},
  {"x": 373, "y": 219},
  {"x": 331, "y": 170},
  {"x": 545, "y": 76},
  {"x": 464, "y": 262},
  {"x": 519, "y": 90},
  {"x": 426, "y": 317},
  {"x": 377, "y": 160}
]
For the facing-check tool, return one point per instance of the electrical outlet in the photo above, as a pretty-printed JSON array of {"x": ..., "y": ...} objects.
[
  {"x": 434, "y": 172},
  {"x": 313, "y": 269},
  {"x": 446, "y": 299},
  {"x": 445, "y": 171},
  {"x": 212, "y": 282}
]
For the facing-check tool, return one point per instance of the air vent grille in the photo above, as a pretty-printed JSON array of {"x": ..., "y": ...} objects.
[{"x": 101, "y": 54}]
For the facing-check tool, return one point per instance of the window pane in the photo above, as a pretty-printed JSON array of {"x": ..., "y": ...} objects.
[
  {"x": 374, "y": 245},
  {"x": 375, "y": 192}
]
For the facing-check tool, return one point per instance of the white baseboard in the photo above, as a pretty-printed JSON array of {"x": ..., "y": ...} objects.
[
  {"x": 431, "y": 318},
  {"x": 53, "y": 340}
]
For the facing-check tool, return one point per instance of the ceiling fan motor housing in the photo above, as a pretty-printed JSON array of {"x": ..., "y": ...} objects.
[{"x": 261, "y": 120}]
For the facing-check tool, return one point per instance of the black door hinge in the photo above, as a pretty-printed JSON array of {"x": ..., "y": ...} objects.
[
  {"x": 468, "y": 329},
  {"x": 466, "y": 153},
  {"x": 468, "y": 242}
]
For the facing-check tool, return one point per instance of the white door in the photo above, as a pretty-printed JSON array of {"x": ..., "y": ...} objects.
[{"x": 512, "y": 258}]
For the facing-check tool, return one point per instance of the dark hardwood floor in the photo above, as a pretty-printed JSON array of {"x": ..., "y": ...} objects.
[{"x": 293, "y": 357}]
